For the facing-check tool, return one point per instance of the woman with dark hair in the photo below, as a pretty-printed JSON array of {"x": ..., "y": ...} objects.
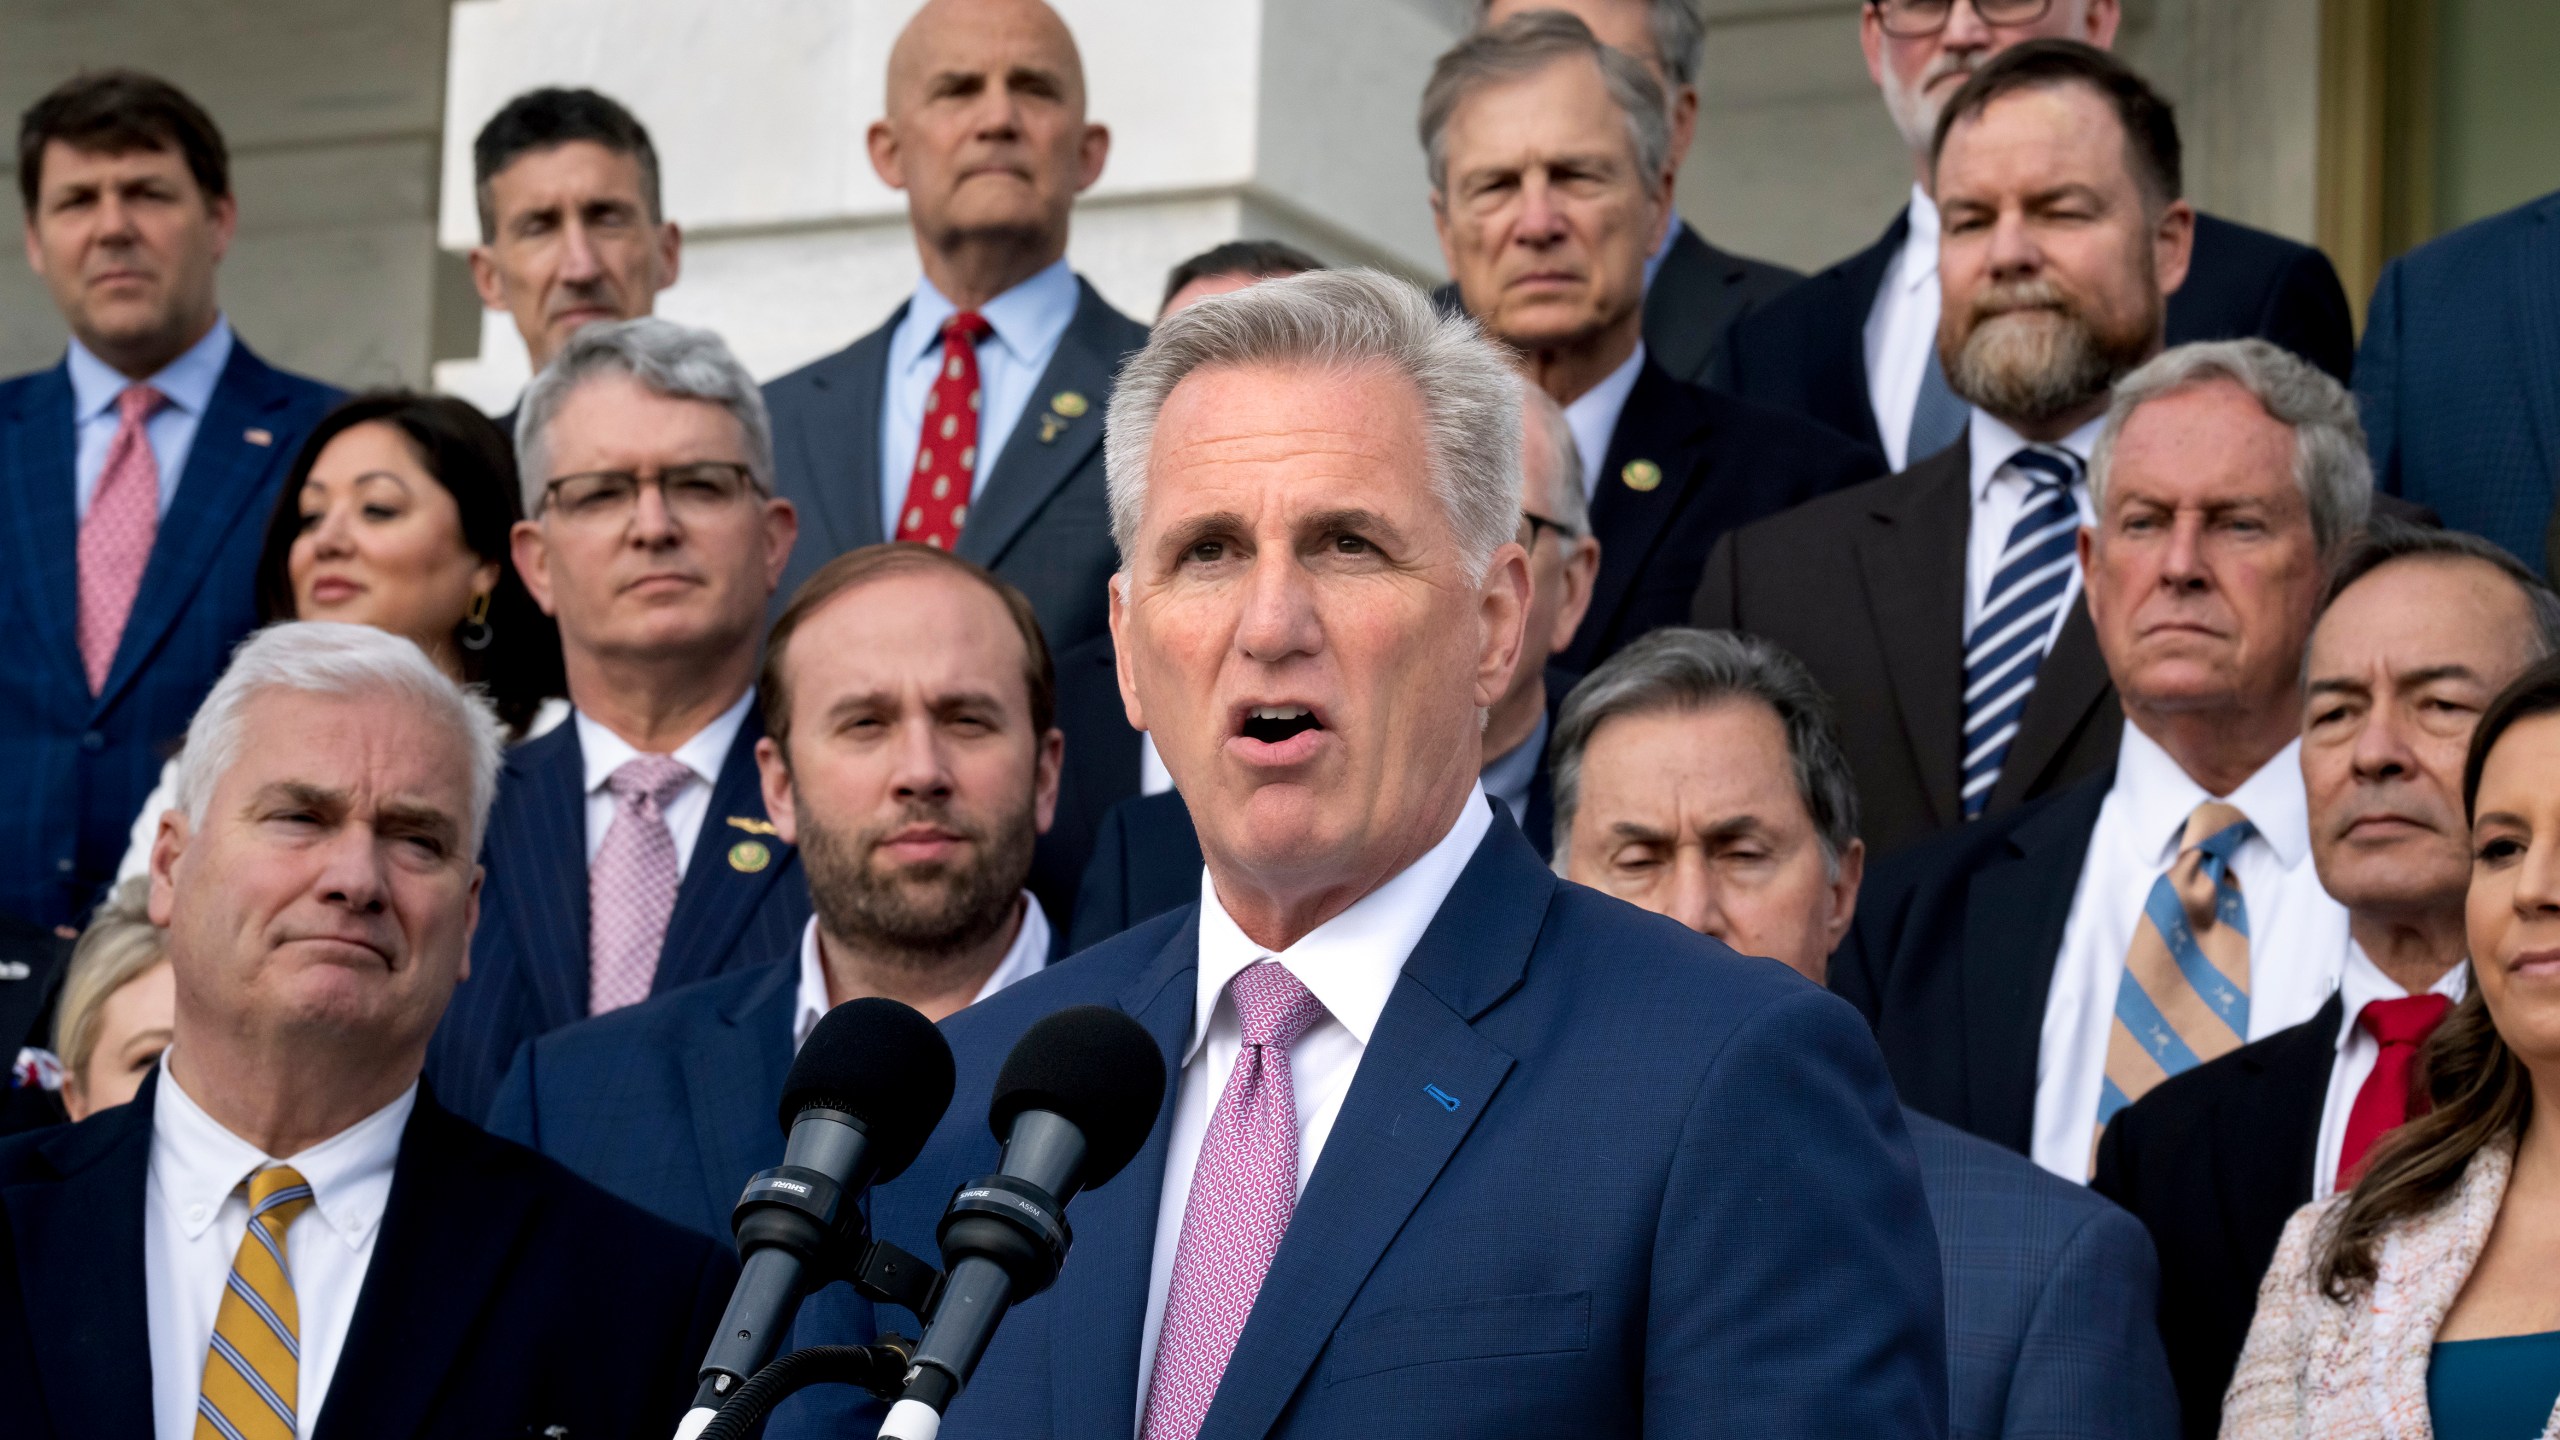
[
  {"x": 396, "y": 514},
  {"x": 2426, "y": 1299}
]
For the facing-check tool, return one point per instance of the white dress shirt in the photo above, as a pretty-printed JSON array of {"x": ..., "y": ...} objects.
[
  {"x": 1028, "y": 953},
  {"x": 1593, "y": 418},
  {"x": 1350, "y": 962},
  {"x": 187, "y": 381},
  {"x": 704, "y": 754},
  {"x": 2362, "y": 984},
  {"x": 2000, "y": 495},
  {"x": 1153, "y": 778},
  {"x": 1902, "y": 328},
  {"x": 195, "y": 1211},
  {"x": 2297, "y": 934},
  {"x": 1028, "y": 321}
]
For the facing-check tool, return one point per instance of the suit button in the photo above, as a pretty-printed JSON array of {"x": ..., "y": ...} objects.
[
  {"x": 63, "y": 865},
  {"x": 92, "y": 741}
]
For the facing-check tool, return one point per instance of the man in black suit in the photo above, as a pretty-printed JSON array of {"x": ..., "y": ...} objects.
[
  {"x": 284, "y": 1232},
  {"x": 1851, "y": 346},
  {"x": 2421, "y": 628},
  {"x": 986, "y": 133},
  {"x": 1550, "y": 184}
]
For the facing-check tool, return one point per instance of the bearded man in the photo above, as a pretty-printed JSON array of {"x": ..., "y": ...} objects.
[{"x": 1941, "y": 605}]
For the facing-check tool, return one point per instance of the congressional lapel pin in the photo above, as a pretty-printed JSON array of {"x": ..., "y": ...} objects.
[
  {"x": 1446, "y": 1100},
  {"x": 752, "y": 825},
  {"x": 749, "y": 856},
  {"x": 1641, "y": 475},
  {"x": 1069, "y": 403},
  {"x": 256, "y": 436}
]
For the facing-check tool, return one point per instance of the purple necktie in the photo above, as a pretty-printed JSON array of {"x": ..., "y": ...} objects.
[
  {"x": 1242, "y": 1194},
  {"x": 116, "y": 534},
  {"x": 631, "y": 887}
]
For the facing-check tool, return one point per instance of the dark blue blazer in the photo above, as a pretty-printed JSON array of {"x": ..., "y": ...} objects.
[
  {"x": 74, "y": 768},
  {"x": 1806, "y": 351},
  {"x": 505, "y": 1295},
  {"x": 2459, "y": 377},
  {"x": 2051, "y": 1296},
  {"x": 1670, "y": 1193},
  {"x": 529, "y": 956},
  {"x": 1042, "y": 521}
]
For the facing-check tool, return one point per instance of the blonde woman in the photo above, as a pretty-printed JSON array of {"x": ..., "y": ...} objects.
[{"x": 117, "y": 998}]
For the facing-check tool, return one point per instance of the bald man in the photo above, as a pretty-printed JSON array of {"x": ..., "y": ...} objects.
[{"x": 972, "y": 419}]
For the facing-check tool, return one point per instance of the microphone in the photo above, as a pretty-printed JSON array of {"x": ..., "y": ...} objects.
[
  {"x": 1073, "y": 1104},
  {"x": 863, "y": 1095}
]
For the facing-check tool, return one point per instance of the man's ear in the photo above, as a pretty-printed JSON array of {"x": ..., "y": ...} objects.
[
  {"x": 773, "y": 778},
  {"x": 531, "y": 551},
  {"x": 882, "y": 142}
]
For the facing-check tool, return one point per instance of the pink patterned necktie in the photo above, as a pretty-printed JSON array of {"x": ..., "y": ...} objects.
[
  {"x": 631, "y": 887},
  {"x": 1242, "y": 1195},
  {"x": 116, "y": 534}
]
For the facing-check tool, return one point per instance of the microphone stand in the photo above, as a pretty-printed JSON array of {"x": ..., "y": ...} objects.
[{"x": 880, "y": 1369}]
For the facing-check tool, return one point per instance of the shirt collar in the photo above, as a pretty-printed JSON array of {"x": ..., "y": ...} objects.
[
  {"x": 1030, "y": 951},
  {"x": 2363, "y": 982},
  {"x": 2162, "y": 796},
  {"x": 1027, "y": 319},
  {"x": 187, "y": 381},
  {"x": 1661, "y": 252},
  {"x": 1593, "y": 416},
  {"x": 1920, "y": 248},
  {"x": 1990, "y": 443},
  {"x": 198, "y": 1162},
  {"x": 1514, "y": 770},
  {"x": 605, "y": 752},
  {"x": 1351, "y": 961}
]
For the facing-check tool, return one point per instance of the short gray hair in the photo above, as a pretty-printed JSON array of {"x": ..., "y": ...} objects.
[
  {"x": 325, "y": 657},
  {"x": 2329, "y": 461},
  {"x": 1524, "y": 45},
  {"x": 1679, "y": 35},
  {"x": 680, "y": 362},
  {"x": 1338, "y": 320},
  {"x": 1563, "y": 456},
  {"x": 1682, "y": 669}
]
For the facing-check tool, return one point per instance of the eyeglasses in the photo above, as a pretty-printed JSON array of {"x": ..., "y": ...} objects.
[
  {"x": 1920, "y": 19},
  {"x": 696, "y": 491},
  {"x": 1537, "y": 522}
]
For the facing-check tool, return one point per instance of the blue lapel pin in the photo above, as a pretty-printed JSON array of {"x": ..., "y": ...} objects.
[{"x": 1447, "y": 1101}]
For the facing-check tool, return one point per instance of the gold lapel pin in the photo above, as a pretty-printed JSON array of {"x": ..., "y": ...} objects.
[
  {"x": 1050, "y": 427},
  {"x": 1641, "y": 475},
  {"x": 1070, "y": 403},
  {"x": 752, "y": 825},
  {"x": 749, "y": 856},
  {"x": 256, "y": 436}
]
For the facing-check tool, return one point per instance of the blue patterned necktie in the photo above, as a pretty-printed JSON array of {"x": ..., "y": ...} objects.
[
  {"x": 2028, "y": 586},
  {"x": 2184, "y": 996}
]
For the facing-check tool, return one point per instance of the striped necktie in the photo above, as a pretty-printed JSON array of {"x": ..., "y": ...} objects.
[
  {"x": 2184, "y": 998},
  {"x": 2028, "y": 585},
  {"x": 252, "y": 1373}
]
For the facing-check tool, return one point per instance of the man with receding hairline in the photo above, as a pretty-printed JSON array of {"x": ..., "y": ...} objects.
[{"x": 972, "y": 420}]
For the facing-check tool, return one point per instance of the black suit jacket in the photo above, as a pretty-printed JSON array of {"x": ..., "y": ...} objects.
[
  {"x": 2214, "y": 1162},
  {"x": 1952, "y": 956},
  {"x": 1100, "y": 770},
  {"x": 1866, "y": 587},
  {"x": 1806, "y": 351},
  {"x": 1717, "y": 463},
  {"x": 1041, "y": 522},
  {"x": 505, "y": 1295}
]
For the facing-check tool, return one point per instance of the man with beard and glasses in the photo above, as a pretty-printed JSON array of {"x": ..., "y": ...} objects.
[
  {"x": 1940, "y": 605},
  {"x": 910, "y": 753}
]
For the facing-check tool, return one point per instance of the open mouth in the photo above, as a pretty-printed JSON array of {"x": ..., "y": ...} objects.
[{"x": 1272, "y": 724}]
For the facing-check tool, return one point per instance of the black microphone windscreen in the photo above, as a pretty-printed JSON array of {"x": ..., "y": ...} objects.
[
  {"x": 883, "y": 1064},
  {"x": 1096, "y": 1067}
]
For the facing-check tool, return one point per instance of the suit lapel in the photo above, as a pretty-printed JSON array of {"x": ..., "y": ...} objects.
[
  {"x": 1912, "y": 558},
  {"x": 1392, "y": 1138},
  {"x": 37, "y": 450},
  {"x": 80, "y": 1266},
  {"x": 2270, "y": 1150},
  {"x": 1685, "y": 308},
  {"x": 846, "y": 490},
  {"x": 2539, "y": 316},
  {"x": 2071, "y": 686},
  {"x": 1840, "y": 349},
  {"x": 735, "y": 1070},
  {"x": 713, "y": 903},
  {"x": 543, "y": 834},
  {"x": 2015, "y": 909},
  {"x": 1629, "y": 522},
  {"x": 1047, "y": 444}
]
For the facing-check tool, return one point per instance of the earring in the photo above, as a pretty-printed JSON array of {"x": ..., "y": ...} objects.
[{"x": 475, "y": 624}]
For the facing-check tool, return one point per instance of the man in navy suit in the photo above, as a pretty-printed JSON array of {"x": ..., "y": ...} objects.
[
  {"x": 2459, "y": 377},
  {"x": 1700, "y": 777},
  {"x": 1526, "y": 1161},
  {"x": 137, "y": 475},
  {"x": 1851, "y": 346},
  {"x": 284, "y": 1233},
  {"x": 631, "y": 851},
  {"x": 986, "y": 133}
]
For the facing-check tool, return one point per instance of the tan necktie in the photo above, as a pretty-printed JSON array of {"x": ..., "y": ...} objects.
[
  {"x": 253, "y": 1370},
  {"x": 2184, "y": 998}
]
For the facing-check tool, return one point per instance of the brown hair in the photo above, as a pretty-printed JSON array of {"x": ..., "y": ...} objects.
[
  {"x": 856, "y": 568},
  {"x": 117, "y": 112},
  {"x": 2151, "y": 143}
]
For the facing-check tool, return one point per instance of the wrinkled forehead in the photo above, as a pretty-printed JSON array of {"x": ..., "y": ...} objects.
[
  {"x": 2206, "y": 446},
  {"x": 2422, "y": 614},
  {"x": 611, "y": 421},
  {"x": 987, "y": 39},
  {"x": 367, "y": 752},
  {"x": 1272, "y": 443},
  {"x": 2040, "y": 137}
]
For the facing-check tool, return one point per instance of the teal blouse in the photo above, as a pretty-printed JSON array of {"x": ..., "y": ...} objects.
[{"x": 2496, "y": 1389}]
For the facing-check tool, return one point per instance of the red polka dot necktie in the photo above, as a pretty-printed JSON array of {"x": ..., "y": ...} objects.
[{"x": 947, "y": 445}]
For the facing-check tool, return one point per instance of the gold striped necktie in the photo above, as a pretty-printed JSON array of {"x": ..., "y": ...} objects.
[
  {"x": 2184, "y": 998},
  {"x": 253, "y": 1369}
]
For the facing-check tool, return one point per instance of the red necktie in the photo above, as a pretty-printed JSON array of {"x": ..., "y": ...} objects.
[
  {"x": 947, "y": 447},
  {"x": 2399, "y": 1026}
]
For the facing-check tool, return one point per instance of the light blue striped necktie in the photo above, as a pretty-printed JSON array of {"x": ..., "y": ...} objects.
[{"x": 2028, "y": 585}]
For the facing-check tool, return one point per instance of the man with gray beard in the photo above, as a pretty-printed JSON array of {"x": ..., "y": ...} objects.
[{"x": 1941, "y": 605}]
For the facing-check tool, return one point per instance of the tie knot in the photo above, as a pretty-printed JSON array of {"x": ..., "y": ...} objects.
[
  {"x": 2047, "y": 467},
  {"x": 968, "y": 327},
  {"x": 2217, "y": 829},
  {"x": 649, "y": 779},
  {"x": 137, "y": 403},
  {"x": 1273, "y": 1006},
  {"x": 278, "y": 1193},
  {"x": 2404, "y": 1021}
]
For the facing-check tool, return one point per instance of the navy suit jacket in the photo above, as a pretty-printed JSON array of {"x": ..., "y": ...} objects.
[
  {"x": 504, "y": 1296},
  {"x": 1668, "y": 1193},
  {"x": 2051, "y": 1294},
  {"x": 1806, "y": 351},
  {"x": 75, "y": 767},
  {"x": 529, "y": 956},
  {"x": 1042, "y": 521},
  {"x": 2459, "y": 377}
]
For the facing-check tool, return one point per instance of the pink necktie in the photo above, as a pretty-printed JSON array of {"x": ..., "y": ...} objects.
[
  {"x": 631, "y": 887},
  {"x": 1242, "y": 1195},
  {"x": 116, "y": 535}
]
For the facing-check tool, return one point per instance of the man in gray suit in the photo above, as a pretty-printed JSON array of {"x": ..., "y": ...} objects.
[
  {"x": 972, "y": 419},
  {"x": 1697, "y": 774}
]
